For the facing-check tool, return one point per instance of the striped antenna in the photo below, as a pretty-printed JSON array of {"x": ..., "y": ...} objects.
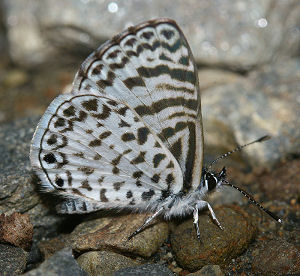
[
  {"x": 272, "y": 215},
  {"x": 261, "y": 139}
]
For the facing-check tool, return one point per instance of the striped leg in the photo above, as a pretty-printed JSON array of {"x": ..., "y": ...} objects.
[
  {"x": 196, "y": 216},
  {"x": 202, "y": 204},
  {"x": 147, "y": 221}
]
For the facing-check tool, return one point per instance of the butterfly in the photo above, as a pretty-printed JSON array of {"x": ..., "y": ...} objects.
[{"x": 129, "y": 135}]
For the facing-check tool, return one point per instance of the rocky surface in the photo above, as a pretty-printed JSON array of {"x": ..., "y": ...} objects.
[
  {"x": 216, "y": 246},
  {"x": 276, "y": 257},
  {"x": 112, "y": 233},
  {"x": 104, "y": 263},
  {"x": 61, "y": 263},
  {"x": 252, "y": 33},
  {"x": 12, "y": 260},
  {"x": 16, "y": 229},
  {"x": 249, "y": 73},
  {"x": 251, "y": 108}
]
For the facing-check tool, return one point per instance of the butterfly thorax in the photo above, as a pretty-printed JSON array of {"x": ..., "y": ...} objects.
[{"x": 183, "y": 204}]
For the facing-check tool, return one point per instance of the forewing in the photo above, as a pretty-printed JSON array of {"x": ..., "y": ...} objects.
[
  {"x": 150, "y": 67},
  {"x": 98, "y": 151}
]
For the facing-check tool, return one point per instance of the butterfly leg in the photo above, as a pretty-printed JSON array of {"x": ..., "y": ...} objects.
[
  {"x": 146, "y": 222},
  {"x": 202, "y": 204},
  {"x": 196, "y": 217}
]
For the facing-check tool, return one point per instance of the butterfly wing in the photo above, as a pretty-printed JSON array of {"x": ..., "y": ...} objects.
[
  {"x": 99, "y": 153},
  {"x": 150, "y": 67}
]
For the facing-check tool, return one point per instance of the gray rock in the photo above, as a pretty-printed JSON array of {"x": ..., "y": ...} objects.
[
  {"x": 61, "y": 263},
  {"x": 17, "y": 188},
  {"x": 98, "y": 263},
  {"x": 145, "y": 270},
  {"x": 266, "y": 103},
  {"x": 17, "y": 193},
  {"x": 12, "y": 260},
  {"x": 242, "y": 35}
]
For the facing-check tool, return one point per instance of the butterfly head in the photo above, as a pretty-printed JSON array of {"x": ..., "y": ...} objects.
[{"x": 213, "y": 180}]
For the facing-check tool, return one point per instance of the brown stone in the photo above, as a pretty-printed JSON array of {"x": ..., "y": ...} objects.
[
  {"x": 111, "y": 233},
  {"x": 16, "y": 229},
  {"x": 216, "y": 246},
  {"x": 276, "y": 257}
]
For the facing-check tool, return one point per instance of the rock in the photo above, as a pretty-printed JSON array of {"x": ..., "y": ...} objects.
[
  {"x": 145, "y": 270},
  {"x": 239, "y": 36},
  {"x": 112, "y": 233},
  {"x": 283, "y": 182},
  {"x": 18, "y": 192},
  {"x": 12, "y": 260},
  {"x": 216, "y": 246},
  {"x": 16, "y": 229},
  {"x": 214, "y": 77},
  {"x": 49, "y": 247},
  {"x": 61, "y": 263},
  {"x": 14, "y": 78},
  {"x": 245, "y": 111},
  {"x": 276, "y": 257},
  {"x": 208, "y": 270},
  {"x": 103, "y": 262}
]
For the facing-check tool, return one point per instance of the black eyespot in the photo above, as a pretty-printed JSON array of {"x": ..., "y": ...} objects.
[{"x": 59, "y": 182}]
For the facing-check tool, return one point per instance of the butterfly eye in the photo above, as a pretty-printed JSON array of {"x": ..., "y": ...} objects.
[{"x": 211, "y": 181}]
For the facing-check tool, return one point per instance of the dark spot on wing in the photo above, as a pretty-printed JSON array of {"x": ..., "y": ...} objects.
[
  {"x": 103, "y": 197},
  {"x": 85, "y": 185},
  {"x": 128, "y": 136},
  {"x": 123, "y": 124},
  {"x": 50, "y": 158},
  {"x": 52, "y": 139},
  {"x": 60, "y": 122},
  {"x": 142, "y": 134},
  {"x": 139, "y": 159},
  {"x": 157, "y": 159},
  {"x": 70, "y": 111},
  {"x": 129, "y": 194},
  {"x": 170, "y": 178},
  {"x": 104, "y": 134},
  {"x": 90, "y": 105},
  {"x": 59, "y": 182},
  {"x": 148, "y": 195},
  {"x": 155, "y": 178},
  {"x": 95, "y": 143},
  {"x": 86, "y": 170},
  {"x": 117, "y": 185},
  {"x": 137, "y": 174}
]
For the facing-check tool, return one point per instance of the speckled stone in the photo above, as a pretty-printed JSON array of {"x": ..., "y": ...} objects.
[
  {"x": 18, "y": 190},
  {"x": 276, "y": 257},
  {"x": 103, "y": 263},
  {"x": 12, "y": 260},
  {"x": 112, "y": 233},
  {"x": 16, "y": 229},
  {"x": 216, "y": 246}
]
